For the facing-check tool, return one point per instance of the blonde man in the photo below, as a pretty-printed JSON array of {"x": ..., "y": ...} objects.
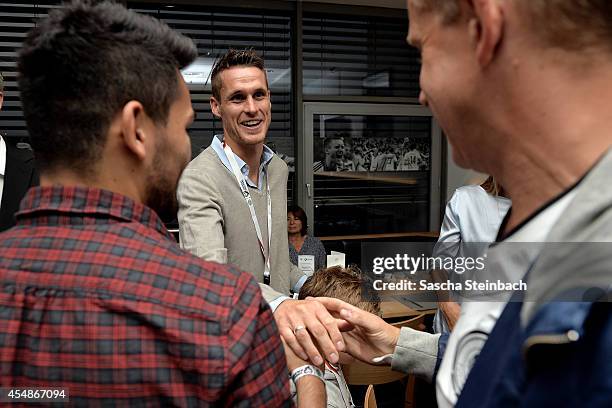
[{"x": 521, "y": 89}]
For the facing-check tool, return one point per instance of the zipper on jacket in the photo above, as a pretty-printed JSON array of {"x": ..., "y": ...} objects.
[{"x": 552, "y": 339}]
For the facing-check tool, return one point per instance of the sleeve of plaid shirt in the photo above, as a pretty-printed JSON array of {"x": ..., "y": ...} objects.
[{"x": 258, "y": 368}]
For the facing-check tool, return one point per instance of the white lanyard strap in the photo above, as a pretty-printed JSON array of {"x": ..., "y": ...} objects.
[
  {"x": 342, "y": 385},
  {"x": 247, "y": 197}
]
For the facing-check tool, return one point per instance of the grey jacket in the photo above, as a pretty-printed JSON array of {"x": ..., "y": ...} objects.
[
  {"x": 578, "y": 253},
  {"x": 559, "y": 353},
  {"x": 215, "y": 222},
  {"x": 576, "y": 256}
]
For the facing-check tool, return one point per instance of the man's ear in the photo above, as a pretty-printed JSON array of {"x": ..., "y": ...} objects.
[
  {"x": 1, "y": 99},
  {"x": 486, "y": 29},
  {"x": 133, "y": 129},
  {"x": 215, "y": 107}
]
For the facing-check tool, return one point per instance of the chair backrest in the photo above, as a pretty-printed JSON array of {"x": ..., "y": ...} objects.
[
  {"x": 359, "y": 373},
  {"x": 370, "y": 398}
]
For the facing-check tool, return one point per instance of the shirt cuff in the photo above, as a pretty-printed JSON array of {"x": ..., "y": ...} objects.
[
  {"x": 276, "y": 302},
  {"x": 416, "y": 353},
  {"x": 299, "y": 284}
]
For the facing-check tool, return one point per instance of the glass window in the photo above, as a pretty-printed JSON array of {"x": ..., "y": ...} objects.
[
  {"x": 371, "y": 173},
  {"x": 358, "y": 55}
]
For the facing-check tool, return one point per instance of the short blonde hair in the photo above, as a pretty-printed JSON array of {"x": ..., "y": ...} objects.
[
  {"x": 447, "y": 9},
  {"x": 568, "y": 24}
]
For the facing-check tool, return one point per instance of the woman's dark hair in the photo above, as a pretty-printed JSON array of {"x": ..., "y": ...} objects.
[
  {"x": 301, "y": 215},
  {"x": 81, "y": 65}
]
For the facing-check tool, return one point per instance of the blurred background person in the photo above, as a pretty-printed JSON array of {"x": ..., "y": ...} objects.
[
  {"x": 348, "y": 160},
  {"x": 411, "y": 159},
  {"x": 471, "y": 222},
  {"x": 300, "y": 243},
  {"x": 359, "y": 162},
  {"x": 17, "y": 174},
  {"x": 378, "y": 160},
  {"x": 391, "y": 160},
  {"x": 473, "y": 216}
]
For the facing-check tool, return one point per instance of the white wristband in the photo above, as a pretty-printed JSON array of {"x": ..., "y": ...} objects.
[{"x": 306, "y": 370}]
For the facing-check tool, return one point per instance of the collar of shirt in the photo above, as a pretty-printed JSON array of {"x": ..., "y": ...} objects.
[
  {"x": 217, "y": 145},
  {"x": 2, "y": 156},
  {"x": 54, "y": 205}
]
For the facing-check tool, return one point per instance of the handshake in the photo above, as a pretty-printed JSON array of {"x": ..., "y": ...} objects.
[{"x": 338, "y": 327}]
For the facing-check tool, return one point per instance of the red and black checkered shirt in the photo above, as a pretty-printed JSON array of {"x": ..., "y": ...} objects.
[{"x": 97, "y": 298}]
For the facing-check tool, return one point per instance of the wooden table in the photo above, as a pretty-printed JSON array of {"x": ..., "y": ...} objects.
[{"x": 394, "y": 309}]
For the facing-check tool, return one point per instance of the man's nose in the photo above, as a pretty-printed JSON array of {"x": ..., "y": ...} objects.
[
  {"x": 251, "y": 107},
  {"x": 423, "y": 98}
]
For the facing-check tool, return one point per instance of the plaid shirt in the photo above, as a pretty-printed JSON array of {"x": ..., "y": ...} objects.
[{"x": 97, "y": 298}]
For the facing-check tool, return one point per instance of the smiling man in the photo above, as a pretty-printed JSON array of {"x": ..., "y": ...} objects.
[
  {"x": 335, "y": 155},
  {"x": 521, "y": 88},
  {"x": 233, "y": 204}
]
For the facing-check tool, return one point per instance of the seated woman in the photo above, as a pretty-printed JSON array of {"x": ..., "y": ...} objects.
[{"x": 300, "y": 243}]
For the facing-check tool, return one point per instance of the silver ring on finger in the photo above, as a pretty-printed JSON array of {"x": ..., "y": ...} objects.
[{"x": 298, "y": 328}]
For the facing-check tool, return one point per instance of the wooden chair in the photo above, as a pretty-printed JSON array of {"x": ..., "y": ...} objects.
[
  {"x": 370, "y": 398},
  {"x": 416, "y": 323},
  {"x": 359, "y": 373}
]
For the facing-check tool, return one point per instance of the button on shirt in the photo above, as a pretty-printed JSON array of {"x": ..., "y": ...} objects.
[{"x": 97, "y": 298}]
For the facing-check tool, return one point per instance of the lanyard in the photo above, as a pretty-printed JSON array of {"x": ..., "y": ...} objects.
[
  {"x": 342, "y": 385},
  {"x": 247, "y": 197}
]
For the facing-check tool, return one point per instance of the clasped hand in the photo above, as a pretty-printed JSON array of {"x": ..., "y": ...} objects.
[{"x": 364, "y": 335}]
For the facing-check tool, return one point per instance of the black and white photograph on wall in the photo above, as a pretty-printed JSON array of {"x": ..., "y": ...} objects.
[
  {"x": 289, "y": 159},
  {"x": 339, "y": 152}
]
